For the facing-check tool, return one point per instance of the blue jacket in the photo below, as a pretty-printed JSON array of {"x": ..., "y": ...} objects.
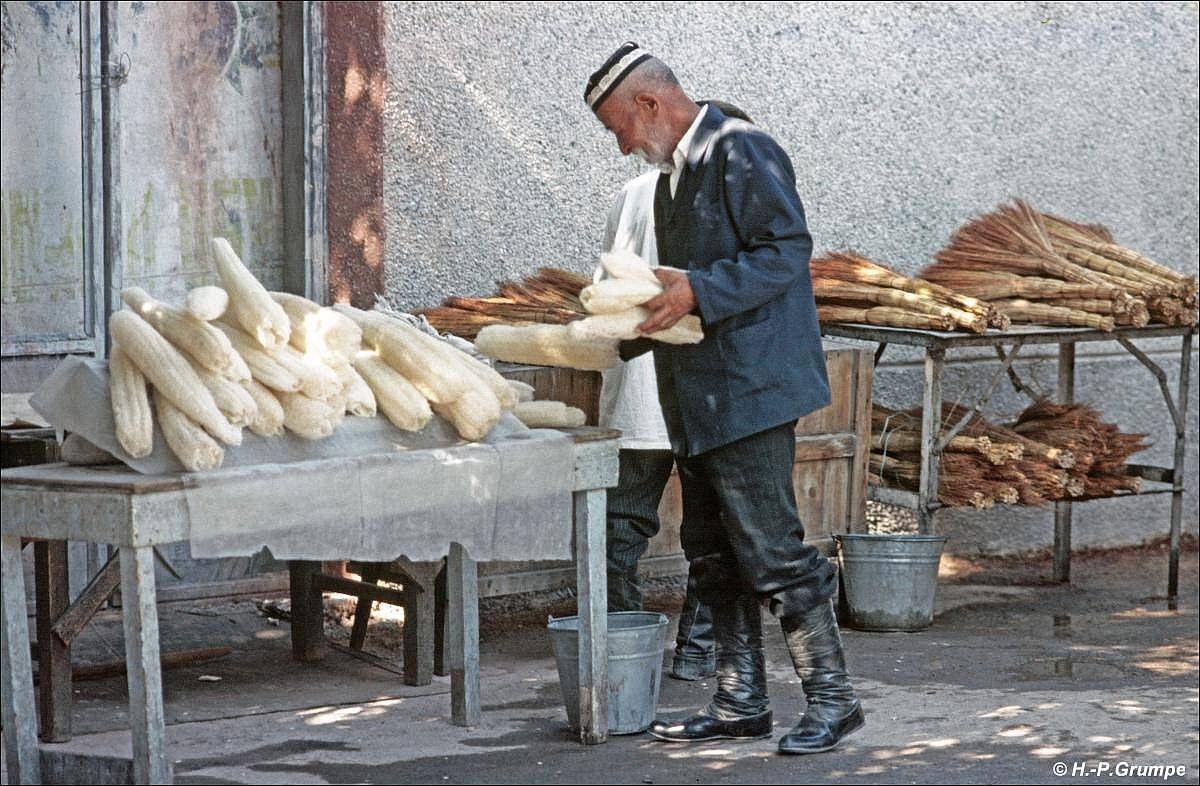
[{"x": 737, "y": 227}]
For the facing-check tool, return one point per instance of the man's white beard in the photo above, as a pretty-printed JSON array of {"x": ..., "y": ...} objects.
[{"x": 666, "y": 167}]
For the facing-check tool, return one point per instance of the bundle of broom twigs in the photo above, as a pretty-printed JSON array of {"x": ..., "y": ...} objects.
[
  {"x": 1043, "y": 269},
  {"x": 1050, "y": 453},
  {"x": 850, "y": 288},
  {"x": 549, "y": 297}
]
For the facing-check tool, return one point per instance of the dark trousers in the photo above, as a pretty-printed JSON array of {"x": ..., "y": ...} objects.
[
  {"x": 632, "y": 521},
  {"x": 741, "y": 532}
]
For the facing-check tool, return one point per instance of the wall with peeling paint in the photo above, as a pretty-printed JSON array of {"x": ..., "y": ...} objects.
[
  {"x": 901, "y": 120},
  {"x": 201, "y": 132},
  {"x": 200, "y": 135},
  {"x": 41, "y": 199}
]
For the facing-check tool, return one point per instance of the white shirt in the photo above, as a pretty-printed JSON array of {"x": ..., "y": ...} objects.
[
  {"x": 629, "y": 391},
  {"x": 680, "y": 154}
]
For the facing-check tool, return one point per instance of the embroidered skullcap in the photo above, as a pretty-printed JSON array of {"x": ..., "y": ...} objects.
[{"x": 604, "y": 81}]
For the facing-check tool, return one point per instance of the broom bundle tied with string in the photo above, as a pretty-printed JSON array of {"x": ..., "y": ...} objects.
[
  {"x": 1060, "y": 452},
  {"x": 998, "y": 285},
  {"x": 551, "y": 297},
  {"x": 999, "y": 255},
  {"x": 1035, "y": 313},
  {"x": 847, "y": 284}
]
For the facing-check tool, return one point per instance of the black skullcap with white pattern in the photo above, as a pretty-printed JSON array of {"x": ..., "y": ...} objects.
[{"x": 603, "y": 82}]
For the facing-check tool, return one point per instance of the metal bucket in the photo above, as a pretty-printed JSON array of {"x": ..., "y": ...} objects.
[
  {"x": 889, "y": 580},
  {"x": 635, "y": 652}
]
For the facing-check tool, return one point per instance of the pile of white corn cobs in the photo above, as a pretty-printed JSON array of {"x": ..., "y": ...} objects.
[
  {"x": 614, "y": 305},
  {"x": 242, "y": 357}
]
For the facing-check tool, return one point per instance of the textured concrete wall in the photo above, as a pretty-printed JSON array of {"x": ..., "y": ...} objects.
[{"x": 901, "y": 120}]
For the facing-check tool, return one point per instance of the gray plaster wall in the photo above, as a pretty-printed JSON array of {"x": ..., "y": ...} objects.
[{"x": 901, "y": 120}]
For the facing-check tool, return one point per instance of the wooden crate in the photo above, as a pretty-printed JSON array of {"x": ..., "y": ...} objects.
[{"x": 574, "y": 388}]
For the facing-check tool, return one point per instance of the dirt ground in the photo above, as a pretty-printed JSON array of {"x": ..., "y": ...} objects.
[{"x": 1017, "y": 675}]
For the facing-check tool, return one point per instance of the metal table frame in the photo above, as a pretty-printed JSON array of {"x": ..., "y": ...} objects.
[
  {"x": 933, "y": 439},
  {"x": 136, "y": 513}
]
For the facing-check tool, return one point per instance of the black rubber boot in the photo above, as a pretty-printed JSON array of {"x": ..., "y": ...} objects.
[
  {"x": 695, "y": 649},
  {"x": 833, "y": 710},
  {"x": 739, "y": 709}
]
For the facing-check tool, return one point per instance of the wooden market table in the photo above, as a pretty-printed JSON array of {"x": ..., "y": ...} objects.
[
  {"x": 1007, "y": 346},
  {"x": 115, "y": 505}
]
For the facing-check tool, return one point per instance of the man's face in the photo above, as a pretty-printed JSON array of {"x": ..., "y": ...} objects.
[{"x": 636, "y": 123}]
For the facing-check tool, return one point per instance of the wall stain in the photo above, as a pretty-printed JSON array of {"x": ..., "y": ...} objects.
[{"x": 40, "y": 255}]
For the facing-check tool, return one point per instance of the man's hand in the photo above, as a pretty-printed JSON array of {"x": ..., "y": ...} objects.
[{"x": 674, "y": 303}]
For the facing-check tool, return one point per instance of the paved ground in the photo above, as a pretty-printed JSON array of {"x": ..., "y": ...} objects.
[{"x": 1017, "y": 674}]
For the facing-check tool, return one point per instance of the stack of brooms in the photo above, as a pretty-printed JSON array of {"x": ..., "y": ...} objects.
[
  {"x": 550, "y": 297},
  {"x": 1041, "y": 269},
  {"x": 850, "y": 288},
  {"x": 1049, "y": 453}
]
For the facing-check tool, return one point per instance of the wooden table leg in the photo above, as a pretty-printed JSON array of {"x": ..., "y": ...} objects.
[
  {"x": 931, "y": 430},
  {"x": 308, "y": 611},
  {"x": 592, "y": 591},
  {"x": 146, "y": 722},
  {"x": 20, "y": 733},
  {"x": 362, "y": 608},
  {"x": 439, "y": 623},
  {"x": 52, "y": 590},
  {"x": 462, "y": 611},
  {"x": 1062, "y": 510},
  {"x": 419, "y": 629}
]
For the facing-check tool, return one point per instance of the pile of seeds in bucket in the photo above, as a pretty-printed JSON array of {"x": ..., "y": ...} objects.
[{"x": 884, "y": 519}]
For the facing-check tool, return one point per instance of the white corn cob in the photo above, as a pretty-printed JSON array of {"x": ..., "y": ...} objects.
[
  {"x": 473, "y": 415},
  {"x": 196, "y": 450},
  {"x": 402, "y": 347},
  {"x": 549, "y": 414},
  {"x": 171, "y": 374},
  {"x": 263, "y": 367},
  {"x": 613, "y": 295},
  {"x": 207, "y": 303},
  {"x": 130, "y": 405},
  {"x": 396, "y": 397},
  {"x": 268, "y": 421},
  {"x": 546, "y": 345},
  {"x": 626, "y": 264},
  {"x": 524, "y": 392},
  {"x": 308, "y": 417},
  {"x": 230, "y": 397},
  {"x": 196, "y": 338},
  {"x": 317, "y": 380},
  {"x": 320, "y": 331},
  {"x": 360, "y": 400},
  {"x": 250, "y": 305},
  {"x": 489, "y": 376},
  {"x": 623, "y": 326}
]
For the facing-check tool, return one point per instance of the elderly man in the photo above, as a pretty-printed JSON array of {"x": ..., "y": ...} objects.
[
  {"x": 728, "y": 219},
  {"x": 629, "y": 402}
]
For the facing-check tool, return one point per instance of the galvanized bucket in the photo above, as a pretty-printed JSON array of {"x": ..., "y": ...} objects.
[
  {"x": 635, "y": 652},
  {"x": 889, "y": 580}
]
